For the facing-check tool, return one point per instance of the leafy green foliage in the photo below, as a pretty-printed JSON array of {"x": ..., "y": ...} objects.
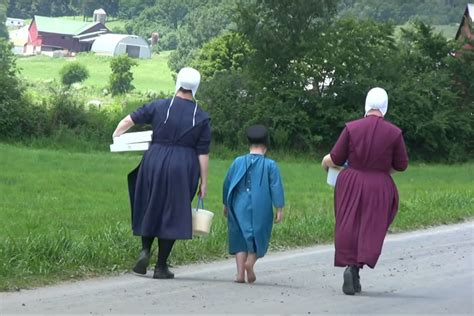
[
  {"x": 121, "y": 77},
  {"x": 308, "y": 75},
  {"x": 11, "y": 93},
  {"x": 73, "y": 72},
  {"x": 268, "y": 89},
  {"x": 200, "y": 25},
  {"x": 402, "y": 11},
  {"x": 3, "y": 18},
  {"x": 434, "y": 118},
  {"x": 27, "y": 8},
  {"x": 230, "y": 51},
  {"x": 347, "y": 59},
  {"x": 129, "y": 9},
  {"x": 162, "y": 19}
]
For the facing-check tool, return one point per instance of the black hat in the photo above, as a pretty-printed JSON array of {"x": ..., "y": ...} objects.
[{"x": 258, "y": 134}]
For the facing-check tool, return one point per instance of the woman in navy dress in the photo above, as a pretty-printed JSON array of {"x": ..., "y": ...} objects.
[
  {"x": 365, "y": 197},
  {"x": 164, "y": 184}
]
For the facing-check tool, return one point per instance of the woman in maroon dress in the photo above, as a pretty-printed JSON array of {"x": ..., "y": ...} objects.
[{"x": 365, "y": 196}]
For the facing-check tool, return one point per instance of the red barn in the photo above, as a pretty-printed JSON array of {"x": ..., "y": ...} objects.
[
  {"x": 465, "y": 32},
  {"x": 47, "y": 34}
]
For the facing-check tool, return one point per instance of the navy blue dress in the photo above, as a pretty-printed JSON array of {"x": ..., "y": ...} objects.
[{"x": 162, "y": 187}]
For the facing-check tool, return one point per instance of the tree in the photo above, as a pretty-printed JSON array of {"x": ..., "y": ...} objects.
[
  {"x": 309, "y": 74},
  {"x": 131, "y": 9},
  {"x": 403, "y": 11},
  {"x": 230, "y": 51},
  {"x": 282, "y": 34},
  {"x": 280, "y": 30},
  {"x": 264, "y": 87},
  {"x": 121, "y": 77},
  {"x": 11, "y": 92},
  {"x": 205, "y": 22},
  {"x": 435, "y": 117},
  {"x": 3, "y": 18},
  {"x": 73, "y": 72}
]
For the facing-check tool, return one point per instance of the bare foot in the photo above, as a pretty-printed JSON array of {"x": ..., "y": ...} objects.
[
  {"x": 251, "y": 277},
  {"x": 239, "y": 280}
]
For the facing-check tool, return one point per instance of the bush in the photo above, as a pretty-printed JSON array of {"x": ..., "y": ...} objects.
[
  {"x": 72, "y": 73},
  {"x": 121, "y": 77},
  {"x": 18, "y": 116},
  {"x": 67, "y": 110}
]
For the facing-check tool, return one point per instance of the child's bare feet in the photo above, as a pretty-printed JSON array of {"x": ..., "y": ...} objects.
[{"x": 251, "y": 277}]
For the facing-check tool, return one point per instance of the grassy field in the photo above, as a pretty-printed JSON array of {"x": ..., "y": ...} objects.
[
  {"x": 447, "y": 30},
  {"x": 152, "y": 74},
  {"x": 66, "y": 215}
]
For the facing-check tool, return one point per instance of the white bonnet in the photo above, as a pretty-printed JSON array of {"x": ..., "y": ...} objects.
[
  {"x": 189, "y": 79},
  {"x": 376, "y": 99}
]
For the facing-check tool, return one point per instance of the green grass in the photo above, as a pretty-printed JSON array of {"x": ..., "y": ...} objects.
[
  {"x": 448, "y": 31},
  {"x": 66, "y": 215},
  {"x": 152, "y": 74}
]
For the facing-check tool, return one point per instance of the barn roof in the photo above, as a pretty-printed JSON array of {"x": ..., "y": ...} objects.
[
  {"x": 468, "y": 13},
  {"x": 108, "y": 42},
  {"x": 62, "y": 26},
  {"x": 470, "y": 10},
  {"x": 19, "y": 37}
]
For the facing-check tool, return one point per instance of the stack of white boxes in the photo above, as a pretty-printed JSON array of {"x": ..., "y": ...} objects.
[{"x": 138, "y": 141}]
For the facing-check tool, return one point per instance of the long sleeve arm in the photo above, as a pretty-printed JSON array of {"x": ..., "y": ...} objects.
[
  {"x": 276, "y": 187},
  {"x": 204, "y": 167},
  {"x": 226, "y": 185},
  {"x": 124, "y": 125}
]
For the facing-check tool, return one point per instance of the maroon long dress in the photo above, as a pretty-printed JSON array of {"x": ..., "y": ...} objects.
[{"x": 365, "y": 197}]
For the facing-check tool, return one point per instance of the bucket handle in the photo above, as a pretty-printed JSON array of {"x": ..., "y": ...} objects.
[{"x": 200, "y": 201}]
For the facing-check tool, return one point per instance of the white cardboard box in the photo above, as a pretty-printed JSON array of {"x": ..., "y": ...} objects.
[
  {"x": 138, "y": 141},
  {"x": 129, "y": 147},
  {"x": 137, "y": 137}
]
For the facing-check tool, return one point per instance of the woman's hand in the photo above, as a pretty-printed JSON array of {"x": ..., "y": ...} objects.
[
  {"x": 279, "y": 216},
  {"x": 202, "y": 191},
  {"x": 123, "y": 126},
  {"x": 203, "y": 168},
  {"x": 323, "y": 163},
  {"x": 328, "y": 163},
  {"x": 225, "y": 211}
]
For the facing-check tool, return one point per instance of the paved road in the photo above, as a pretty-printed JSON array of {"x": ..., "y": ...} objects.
[{"x": 425, "y": 272}]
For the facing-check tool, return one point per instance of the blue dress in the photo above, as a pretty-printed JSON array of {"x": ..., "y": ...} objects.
[
  {"x": 163, "y": 185},
  {"x": 252, "y": 187}
]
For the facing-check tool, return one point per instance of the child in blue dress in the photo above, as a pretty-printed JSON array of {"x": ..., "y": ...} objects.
[{"x": 252, "y": 187}]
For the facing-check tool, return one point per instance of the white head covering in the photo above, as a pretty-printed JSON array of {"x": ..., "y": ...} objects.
[
  {"x": 189, "y": 79},
  {"x": 377, "y": 99}
]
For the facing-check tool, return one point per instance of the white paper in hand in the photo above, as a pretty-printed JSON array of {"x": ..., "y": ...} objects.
[{"x": 332, "y": 176}]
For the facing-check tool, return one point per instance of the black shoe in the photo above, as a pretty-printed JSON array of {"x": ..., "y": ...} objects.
[
  {"x": 357, "y": 286},
  {"x": 142, "y": 262},
  {"x": 163, "y": 273},
  {"x": 348, "y": 286}
]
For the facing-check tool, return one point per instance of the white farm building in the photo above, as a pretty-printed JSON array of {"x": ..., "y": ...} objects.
[{"x": 118, "y": 44}]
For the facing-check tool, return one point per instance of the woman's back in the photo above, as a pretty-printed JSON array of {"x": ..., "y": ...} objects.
[
  {"x": 374, "y": 144},
  {"x": 185, "y": 121}
]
